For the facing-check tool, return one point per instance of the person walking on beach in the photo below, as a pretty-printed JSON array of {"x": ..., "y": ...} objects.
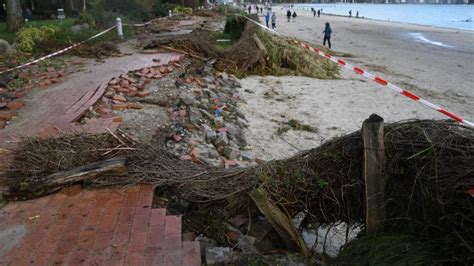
[
  {"x": 274, "y": 19},
  {"x": 357, "y": 14},
  {"x": 261, "y": 10},
  {"x": 288, "y": 15},
  {"x": 350, "y": 13},
  {"x": 327, "y": 35},
  {"x": 314, "y": 12},
  {"x": 294, "y": 16},
  {"x": 250, "y": 9},
  {"x": 267, "y": 18},
  {"x": 319, "y": 12}
]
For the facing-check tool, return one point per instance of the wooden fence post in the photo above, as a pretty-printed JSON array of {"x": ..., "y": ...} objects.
[{"x": 374, "y": 172}]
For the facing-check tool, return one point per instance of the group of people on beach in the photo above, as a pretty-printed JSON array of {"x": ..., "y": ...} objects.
[
  {"x": 291, "y": 16},
  {"x": 357, "y": 14},
  {"x": 318, "y": 12}
]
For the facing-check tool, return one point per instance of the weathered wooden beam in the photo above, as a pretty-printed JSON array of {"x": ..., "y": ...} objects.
[
  {"x": 374, "y": 172},
  {"x": 279, "y": 221},
  {"x": 113, "y": 166}
]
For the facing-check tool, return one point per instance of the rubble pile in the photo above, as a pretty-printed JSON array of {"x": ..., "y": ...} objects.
[{"x": 208, "y": 127}]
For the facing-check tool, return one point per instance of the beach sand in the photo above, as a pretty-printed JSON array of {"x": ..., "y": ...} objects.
[{"x": 395, "y": 51}]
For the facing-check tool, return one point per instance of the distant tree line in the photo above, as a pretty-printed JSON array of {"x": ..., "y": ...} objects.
[{"x": 13, "y": 11}]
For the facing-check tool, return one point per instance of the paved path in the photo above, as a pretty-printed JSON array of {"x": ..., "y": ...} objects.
[
  {"x": 59, "y": 107},
  {"x": 93, "y": 227}
]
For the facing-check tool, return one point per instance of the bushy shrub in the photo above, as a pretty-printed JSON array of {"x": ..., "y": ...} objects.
[
  {"x": 183, "y": 10},
  {"x": 161, "y": 9},
  {"x": 86, "y": 17},
  {"x": 27, "y": 38},
  {"x": 234, "y": 26}
]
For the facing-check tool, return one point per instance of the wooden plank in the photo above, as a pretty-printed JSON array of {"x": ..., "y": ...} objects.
[
  {"x": 279, "y": 221},
  {"x": 374, "y": 172}
]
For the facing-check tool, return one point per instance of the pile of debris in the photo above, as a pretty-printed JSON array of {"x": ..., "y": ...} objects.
[{"x": 209, "y": 104}]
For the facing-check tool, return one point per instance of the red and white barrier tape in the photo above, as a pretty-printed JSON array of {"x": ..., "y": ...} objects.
[
  {"x": 58, "y": 52},
  {"x": 386, "y": 83},
  {"x": 77, "y": 44},
  {"x": 375, "y": 79}
]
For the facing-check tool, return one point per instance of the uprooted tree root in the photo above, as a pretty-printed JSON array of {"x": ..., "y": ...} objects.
[
  {"x": 429, "y": 166},
  {"x": 280, "y": 57}
]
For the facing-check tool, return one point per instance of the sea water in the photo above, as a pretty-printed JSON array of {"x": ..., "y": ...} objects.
[{"x": 447, "y": 16}]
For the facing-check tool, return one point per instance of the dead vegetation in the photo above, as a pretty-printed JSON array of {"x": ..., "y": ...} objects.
[
  {"x": 429, "y": 165},
  {"x": 256, "y": 53}
]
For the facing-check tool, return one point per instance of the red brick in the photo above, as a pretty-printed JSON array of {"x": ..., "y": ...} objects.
[
  {"x": 114, "y": 82},
  {"x": 124, "y": 83},
  {"x": 155, "y": 236},
  {"x": 119, "y": 107},
  {"x": 132, "y": 94},
  {"x": 132, "y": 88},
  {"x": 163, "y": 70},
  {"x": 104, "y": 110},
  {"x": 157, "y": 217},
  {"x": 230, "y": 163},
  {"x": 173, "y": 225},
  {"x": 122, "y": 235},
  {"x": 15, "y": 105},
  {"x": 195, "y": 154},
  {"x": 3, "y": 124},
  {"x": 135, "y": 106},
  {"x": 182, "y": 112},
  {"x": 126, "y": 215},
  {"x": 145, "y": 71},
  {"x": 123, "y": 90},
  {"x": 6, "y": 115},
  {"x": 191, "y": 254},
  {"x": 119, "y": 98},
  {"x": 117, "y": 119},
  {"x": 143, "y": 93},
  {"x": 176, "y": 138}
]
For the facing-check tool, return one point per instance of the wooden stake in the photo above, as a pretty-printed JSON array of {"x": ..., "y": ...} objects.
[
  {"x": 279, "y": 221},
  {"x": 374, "y": 172}
]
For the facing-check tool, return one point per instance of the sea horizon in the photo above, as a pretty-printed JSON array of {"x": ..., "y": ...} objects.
[{"x": 459, "y": 16}]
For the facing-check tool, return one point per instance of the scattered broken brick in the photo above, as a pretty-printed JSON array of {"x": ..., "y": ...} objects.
[
  {"x": 145, "y": 71},
  {"x": 185, "y": 157},
  {"x": 119, "y": 98},
  {"x": 124, "y": 90},
  {"x": 104, "y": 110},
  {"x": 135, "y": 106},
  {"x": 117, "y": 119},
  {"x": 6, "y": 115},
  {"x": 3, "y": 124},
  {"x": 119, "y": 107},
  {"x": 143, "y": 93},
  {"x": 195, "y": 155},
  {"x": 15, "y": 105},
  {"x": 182, "y": 113},
  {"x": 132, "y": 93},
  {"x": 176, "y": 138},
  {"x": 230, "y": 163},
  {"x": 113, "y": 82}
]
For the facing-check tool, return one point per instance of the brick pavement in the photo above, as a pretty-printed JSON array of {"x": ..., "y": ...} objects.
[
  {"x": 56, "y": 109},
  {"x": 95, "y": 227}
]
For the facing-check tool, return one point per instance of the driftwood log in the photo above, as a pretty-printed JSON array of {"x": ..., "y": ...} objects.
[{"x": 108, "y": 168}]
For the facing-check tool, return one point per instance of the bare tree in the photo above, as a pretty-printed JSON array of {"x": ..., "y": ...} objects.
[{"x": 14, "y": 15}]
